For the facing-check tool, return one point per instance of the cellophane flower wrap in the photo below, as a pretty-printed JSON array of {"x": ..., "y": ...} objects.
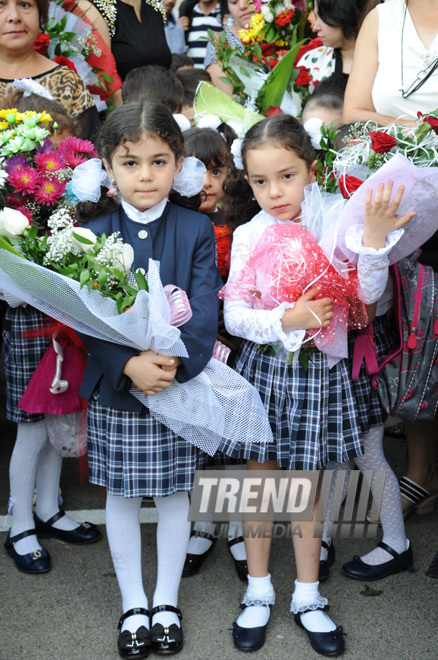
[
  {"x": 374, "y": 155},
  {"x": 286, "y": 262}
]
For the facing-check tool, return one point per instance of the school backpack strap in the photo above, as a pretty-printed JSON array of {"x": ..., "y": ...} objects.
[{"x": 407, "y": 380}]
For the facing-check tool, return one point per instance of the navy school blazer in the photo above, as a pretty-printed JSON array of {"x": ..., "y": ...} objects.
[{"x": 183, "y": 242}]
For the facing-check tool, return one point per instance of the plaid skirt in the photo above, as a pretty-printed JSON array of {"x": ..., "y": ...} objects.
[
  {"x": 134, "y": 455},
  {"x": 368, "y": 403},
  {"x": 22, "y": 356},
  {"x": 312, "y": 410}
]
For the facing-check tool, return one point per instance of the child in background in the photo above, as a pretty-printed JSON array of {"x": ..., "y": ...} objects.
[
  {"x": 34, "y": 461},
  {"x": 327, "y": 106},
  {"x": 311, "y": 407},
  {"x": 130, "y": 452},
  {"x": 190, "y": 79},
  {"x": 212, "y": 147},
  {"x": 154, "y": 82}
]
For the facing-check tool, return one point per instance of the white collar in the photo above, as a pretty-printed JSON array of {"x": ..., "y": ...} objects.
[{"x": 144, "y": 217}]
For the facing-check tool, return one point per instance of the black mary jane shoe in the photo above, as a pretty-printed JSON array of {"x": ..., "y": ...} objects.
[
  {"x": 359, "y": 570},
  {"x": 193, "y": 563},
  {"x": 325, "y": 643},
  {"x": 134, "y": 644},
  {"x": 166, "y": 641},
  {"x": 249, "y": 639},
  {"x": 34, "y": 562},
  {"x": 82, "y": 535},
  {"x": 324, "y": 564},
  {"x": 241, "y": 565}
]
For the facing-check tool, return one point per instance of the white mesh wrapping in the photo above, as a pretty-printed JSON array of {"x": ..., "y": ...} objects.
[{"x": 216, "y": 405}]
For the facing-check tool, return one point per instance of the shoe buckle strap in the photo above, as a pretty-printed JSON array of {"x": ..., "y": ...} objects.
[{"x": 396, "y": 556}]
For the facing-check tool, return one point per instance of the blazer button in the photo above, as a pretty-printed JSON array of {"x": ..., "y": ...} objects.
[{"x": 142, "y": 234}]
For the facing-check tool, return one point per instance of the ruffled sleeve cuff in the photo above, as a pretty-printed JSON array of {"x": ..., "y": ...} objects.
[
  {"x": 292, "y": 339},
  {"x": 354, "y": 236}
]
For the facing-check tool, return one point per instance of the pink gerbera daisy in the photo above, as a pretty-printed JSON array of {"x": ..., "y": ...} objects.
[
  {"x": 78, "y": 145},
  {"x": 49, "y": 191},
  {"x": 23, "y": 179},
  {"x": 48, "y": 162}
]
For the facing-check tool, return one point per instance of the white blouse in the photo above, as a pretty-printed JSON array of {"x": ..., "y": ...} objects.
[{"x": 393, "y": 39}]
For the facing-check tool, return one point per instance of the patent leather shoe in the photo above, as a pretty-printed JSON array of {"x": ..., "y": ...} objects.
[
  {"x": 249, "y": 639},
  {"x": 359, "y": 570},
  {"x": 193, "y": 562},
  {"x": 326, "y": 643},
  {"x": 166, "y": 641},
  {"x": 134, "y": 644},
  {"x": 241, "y": 565},
  {"x": 324, "y": 564},
  {"x": 34, "y": 562},
  {"x": 82, "y": 535}
]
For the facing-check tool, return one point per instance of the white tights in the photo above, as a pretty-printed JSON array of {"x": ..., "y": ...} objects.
[
  {"x": 34, "y": 460},
  {"x": 391, "y": 515},
  {"x": 124, "y": 538}
]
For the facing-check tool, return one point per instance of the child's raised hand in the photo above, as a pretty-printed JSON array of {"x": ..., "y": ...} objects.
[
  {"x": 380, "y": 215},
  {"x": 151, "y": 372},
  {"x": 301, "y": 318}
]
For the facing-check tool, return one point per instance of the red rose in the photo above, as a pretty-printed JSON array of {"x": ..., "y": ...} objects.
[
  {"x": 285, "y": 17},
  {"x": 348, "y": 185},
  {"x": 41, "y": 43},
  {"x": 273, "y": 110},
  {"x": 268, "y": 49},
  {"x": 433, "y": 121},
  {"x": 314, "y": 43},
  {"x": 64, "y": 61},
  {"x": 382, "y": 142},
  {"x": 303, "y": 79}
]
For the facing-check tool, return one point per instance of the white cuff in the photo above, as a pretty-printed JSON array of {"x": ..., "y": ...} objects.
[
  {"x": 292, "y": 339},
  {"x": 354, "y": 236}
]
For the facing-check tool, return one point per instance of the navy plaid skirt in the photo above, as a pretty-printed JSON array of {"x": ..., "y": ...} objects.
[
  {"x": 22, "y": 356},
  {"x": 368, "y": 403},
  {"x": 133, "y": 455},
  {"x": 312, "y": 410}
]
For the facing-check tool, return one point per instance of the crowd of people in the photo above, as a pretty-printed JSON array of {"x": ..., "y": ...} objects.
[{"x": 367, "y": 61}]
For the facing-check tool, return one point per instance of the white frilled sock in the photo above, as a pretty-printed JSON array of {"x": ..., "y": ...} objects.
[
  {"x": 258, "y": 595},
  {"x": 47, "y": 488},
  {"x": 173, "y": 532},
  {"x": 391, "y": 515},
  {"x": 198, "y": 545},
  {"x": 306, "y": 595},
  {"x": 124, "y": 538},
  {"x": 31, "y": 439},
  {"x": 332, "y": 465}
]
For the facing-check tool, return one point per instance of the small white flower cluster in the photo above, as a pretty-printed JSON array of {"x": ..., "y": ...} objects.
[
  {"x": 3, "y": 176},
  {"x": 116, "y": 254},
  {"x": 60, "y": 241}
]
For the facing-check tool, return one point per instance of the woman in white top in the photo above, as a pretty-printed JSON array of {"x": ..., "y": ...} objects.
[{"x": 395, "y": 67}]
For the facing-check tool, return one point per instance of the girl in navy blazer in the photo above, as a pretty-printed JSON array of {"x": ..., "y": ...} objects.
[{"x": 130, "y": 453}]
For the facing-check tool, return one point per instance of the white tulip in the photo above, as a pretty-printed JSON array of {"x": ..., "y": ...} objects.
[
  {"x": 83, "y": 233},
  {"x": 125, "y": 258},
  {"x": 12, "y": 223}
]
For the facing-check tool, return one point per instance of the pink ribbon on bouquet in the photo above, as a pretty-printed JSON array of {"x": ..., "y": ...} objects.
[
  {"x": 180, "y": 310},
  {"x": 364, "y": 351}
]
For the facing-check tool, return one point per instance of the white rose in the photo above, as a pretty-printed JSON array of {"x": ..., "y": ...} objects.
[
  {"x": 12, "y": 223},
  {"x": 87, "y": 234},
  {"x": 267, "y": 14},
  {"x": 125, "y": 258}
]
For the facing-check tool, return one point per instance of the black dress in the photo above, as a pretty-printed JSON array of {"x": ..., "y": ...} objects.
[{"x": 138, "y": 43}]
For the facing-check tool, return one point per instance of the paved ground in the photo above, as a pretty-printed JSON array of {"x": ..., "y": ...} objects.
[{"x": 71, "y": 613}]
